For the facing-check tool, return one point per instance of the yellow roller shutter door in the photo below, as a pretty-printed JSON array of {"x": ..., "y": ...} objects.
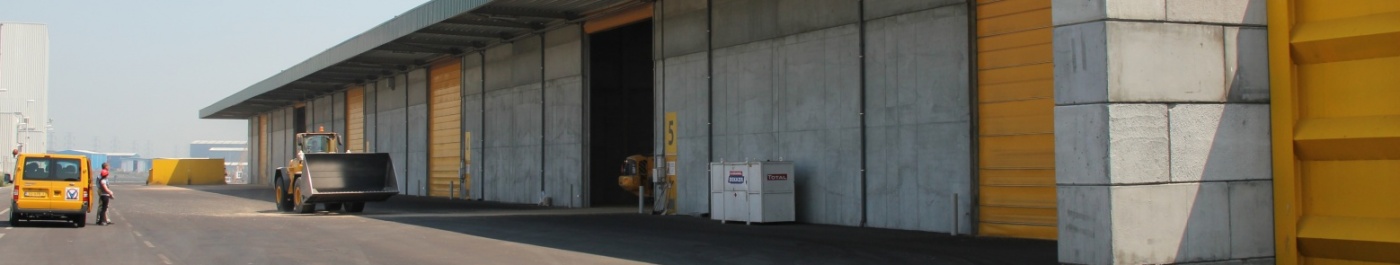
[
  {"x": 355, "y": 120},
  {"x": 444, "y": 127},
  {"x": 1016, "y": 139}
]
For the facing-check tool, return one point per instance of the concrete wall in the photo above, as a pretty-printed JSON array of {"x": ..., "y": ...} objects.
[
  {"x": 417, "y": 137},
  {"x": 1162, "y": 132},
  {"x": 391, "y": 128},
  {"x": 918, "y": 120},
  {"x": 251, "y": 173},
  {"x": 787, "y": 84},
  {"x": 683, "y": 85},
  {"x": 371, "y": 117},
  {"x": 513, "y": 125},
  {"x": 563, "y": 116},
  {"x": 321, "y": 114},
  {"x": 338, "y": 114},
  {"x": 472, "y": 103}
]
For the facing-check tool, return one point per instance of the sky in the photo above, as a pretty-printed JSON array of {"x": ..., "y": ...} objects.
[{"x": 131, "y": 76}]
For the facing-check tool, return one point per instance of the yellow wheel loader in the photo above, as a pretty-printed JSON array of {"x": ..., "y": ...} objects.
[
  {"x": 321, "y": 173},
  {"x": 636, "y": 175}
]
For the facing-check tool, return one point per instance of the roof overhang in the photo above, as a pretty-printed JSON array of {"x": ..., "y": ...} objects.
[{"x": 437, "y": 29}]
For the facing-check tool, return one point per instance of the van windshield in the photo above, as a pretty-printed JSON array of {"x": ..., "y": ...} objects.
[{"x": 62, "y": 169}]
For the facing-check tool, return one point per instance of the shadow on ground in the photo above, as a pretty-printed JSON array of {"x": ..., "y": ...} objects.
[{"x": 688, "y": 240}]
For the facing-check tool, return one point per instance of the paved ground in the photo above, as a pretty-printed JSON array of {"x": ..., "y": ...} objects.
[{"x": 237, "y": 225}]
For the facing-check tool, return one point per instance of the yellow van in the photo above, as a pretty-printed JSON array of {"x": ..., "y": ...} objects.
[{"x": 51, "y": 187}]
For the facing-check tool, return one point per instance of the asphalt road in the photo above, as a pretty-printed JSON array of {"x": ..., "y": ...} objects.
[{"x": 238, "y": 225}]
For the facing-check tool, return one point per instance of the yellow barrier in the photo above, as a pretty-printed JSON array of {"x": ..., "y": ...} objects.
[{"x": 186, "y": 171}]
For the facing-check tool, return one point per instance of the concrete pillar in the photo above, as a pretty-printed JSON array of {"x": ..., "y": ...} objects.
[{"x": 1162, "y": 131}]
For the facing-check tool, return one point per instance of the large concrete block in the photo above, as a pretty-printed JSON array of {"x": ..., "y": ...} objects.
[
  {"x": 1114, "y": 143},
  {"x": 1065, "y": 12},
  {"x": 1081, "y": 144},
  {"x": 1138, "y": 143},
  {"x": 1081, "y": 63},
  {"x": 1170, "y": 223},
  {"x": 1248, "y": 12},
  {"x": 1161, "y": 62},
  {"x": 1085, "y": 224},
  {"x": 1247, "y": 64},
  {"x": 1251, "y": 219},
  {"x": 1144, "y": 62},
  {"x": 1214, "y": 142}
]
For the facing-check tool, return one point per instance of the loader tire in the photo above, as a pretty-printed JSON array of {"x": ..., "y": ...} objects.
[
  {"x": 283, "y": 201},
  {"x": 306, "y": 208}
]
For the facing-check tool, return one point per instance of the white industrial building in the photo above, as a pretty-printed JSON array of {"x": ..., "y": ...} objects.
[{"x": 24, "y": 89}]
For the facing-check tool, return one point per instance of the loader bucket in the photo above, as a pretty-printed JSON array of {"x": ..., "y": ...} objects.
[{"x": 349, "y": 177}]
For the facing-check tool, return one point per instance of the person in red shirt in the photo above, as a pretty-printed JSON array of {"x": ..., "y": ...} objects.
[{"x": 106, "y": 198}]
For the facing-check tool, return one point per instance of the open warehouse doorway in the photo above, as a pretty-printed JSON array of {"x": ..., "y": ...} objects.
[{"x": 620, "y": 107}]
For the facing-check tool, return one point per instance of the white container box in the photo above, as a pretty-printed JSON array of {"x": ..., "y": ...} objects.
[{"x": 753, "y": 192}]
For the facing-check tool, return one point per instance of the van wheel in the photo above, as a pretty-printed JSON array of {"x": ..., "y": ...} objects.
[
  {"x": 14, "y": 218},
  {"x": 80, "y": 220}
]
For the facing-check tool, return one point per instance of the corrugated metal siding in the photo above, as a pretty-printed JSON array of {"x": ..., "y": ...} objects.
[
  {"x": 24, "y": 71},
  {"x": 355, "y": 119},
  {"x": 1336, "y": 126},
  {"x": 1016, "y": 119},
  {"x": 444, "y": 126}
]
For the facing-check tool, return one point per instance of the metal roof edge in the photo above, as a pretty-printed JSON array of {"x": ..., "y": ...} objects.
[{"x": 415, "y": 19}]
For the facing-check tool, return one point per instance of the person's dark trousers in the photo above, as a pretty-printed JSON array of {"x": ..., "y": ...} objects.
[{"x": 102, "y": 209}]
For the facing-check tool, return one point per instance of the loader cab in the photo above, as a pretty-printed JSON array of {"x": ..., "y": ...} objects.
[{"x": 315, "y": 143}]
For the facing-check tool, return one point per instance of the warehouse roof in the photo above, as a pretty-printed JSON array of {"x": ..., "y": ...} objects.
[{"x": 436, "y": 29}]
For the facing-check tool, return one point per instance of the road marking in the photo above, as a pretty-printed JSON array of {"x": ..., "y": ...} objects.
[
  {"x": 5, "y": 211},
  {"x": 128, "y": 225},
  {"x": 2, "y": 235},
  {"x": 164, "y": 259},
  {"x": 9, "y": 227},
  {"x": 148, "y": 243},
  {"x": 134, "y": 232}
]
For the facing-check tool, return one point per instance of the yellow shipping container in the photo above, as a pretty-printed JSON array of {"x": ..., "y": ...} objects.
[
  {"x": 186, "y": 171},
  {"x": 1336, "y": 126}
]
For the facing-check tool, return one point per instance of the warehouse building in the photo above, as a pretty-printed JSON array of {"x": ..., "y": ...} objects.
[
  {"x": 1131, "y": 132},
  {"x": 24, "y": 89}
]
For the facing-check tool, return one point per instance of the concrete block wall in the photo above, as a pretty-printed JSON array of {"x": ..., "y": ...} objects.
[
  {"x": 391, "y": 125},
  {"x": 918, "y": 121},
  {"x": 371, "y": 117},
  {"x": 337, "y": 123},
  {"x": 563, "y": 116},
  {"x": 513, "y": 126},
  {"x": 786, "y": 85},
  {"x": 417, "y": 135},
  {"x": 1162, "y": 131},
  {"x": 472, "y": 103}
]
